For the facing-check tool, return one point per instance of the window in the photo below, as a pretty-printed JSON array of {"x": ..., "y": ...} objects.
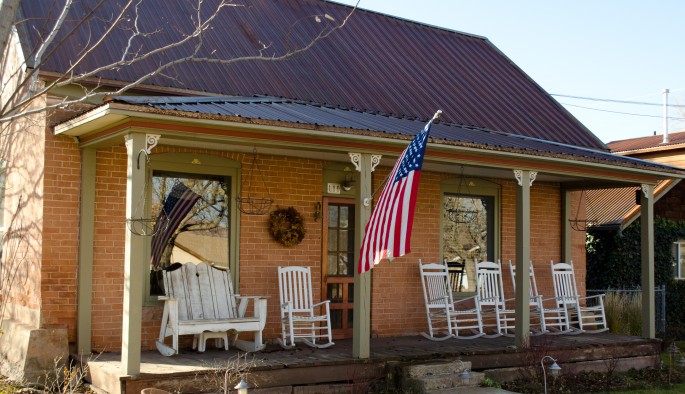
[
  {"x": 202, "y": 233},
  {"x": 194, "y": 197},
  {"x": 469, "y": 228},
  {"x": 679, "y": 260}
]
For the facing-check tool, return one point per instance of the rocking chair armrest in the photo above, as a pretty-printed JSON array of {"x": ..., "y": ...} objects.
[
  {"x": 474, "y": 298},
  {"x": 321, "y": 303},
  {"x": 590, "y": 297},
  {"x": 164, "y": 298},
  {"x": 558, "y": 298}
]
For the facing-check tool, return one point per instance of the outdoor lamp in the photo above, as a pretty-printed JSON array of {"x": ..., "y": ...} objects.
[
  {"x": 242, "y": 387},
  {"x": 673, "y": 350},
  {"x": 553, "y": 369},
  {"x": 464, "y": 375}
]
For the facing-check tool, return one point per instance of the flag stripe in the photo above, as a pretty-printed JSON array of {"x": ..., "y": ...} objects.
[
  {"x": 388, "y": 231},
  {"x": 176, "y": 206}
]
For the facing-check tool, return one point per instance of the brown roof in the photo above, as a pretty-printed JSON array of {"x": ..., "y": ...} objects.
[
  {"x": 289, "y": 111},
  {"x": 649, "y": 142},
  {"x": 376, "y": 63}
]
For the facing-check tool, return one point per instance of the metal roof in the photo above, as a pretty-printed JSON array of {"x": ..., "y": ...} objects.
[
  {"x": 675, "y": 140},
  {"x": 376, "y": 63},
  {"x": 297, "y": 112}
]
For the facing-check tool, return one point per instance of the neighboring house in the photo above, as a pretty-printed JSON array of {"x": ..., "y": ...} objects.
[
  {"x": 327, "y": 127},
  {"x": 668, "y": 195}
]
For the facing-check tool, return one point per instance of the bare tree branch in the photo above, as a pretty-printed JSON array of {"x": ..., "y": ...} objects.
[{"x": 92, "y": 86}]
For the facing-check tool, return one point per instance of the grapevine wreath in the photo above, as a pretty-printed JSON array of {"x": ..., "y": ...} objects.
[{"x": 286, "y": 226}]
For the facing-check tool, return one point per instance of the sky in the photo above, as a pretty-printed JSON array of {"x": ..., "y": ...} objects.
[{"x": 616, "y": 50}]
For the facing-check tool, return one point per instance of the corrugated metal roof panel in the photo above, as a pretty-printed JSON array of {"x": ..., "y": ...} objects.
[
  {"x": 375, "y": 63},
  {"x": 307, "y": 113},
  {"x": 652, "y": 141}
]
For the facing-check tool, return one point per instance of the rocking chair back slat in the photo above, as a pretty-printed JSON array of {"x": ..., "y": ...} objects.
[{"x": 582, "y": 315}]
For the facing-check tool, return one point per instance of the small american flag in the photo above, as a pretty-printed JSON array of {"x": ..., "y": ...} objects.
[
  {"x": 388, "y": 232},
  {"x": 176, "y": 206}
]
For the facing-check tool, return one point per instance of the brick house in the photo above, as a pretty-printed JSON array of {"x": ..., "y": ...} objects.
[{"x": 318, "y": 132}]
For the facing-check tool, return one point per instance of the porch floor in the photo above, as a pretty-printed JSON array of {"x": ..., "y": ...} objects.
[{"x": 275, "y": 367}]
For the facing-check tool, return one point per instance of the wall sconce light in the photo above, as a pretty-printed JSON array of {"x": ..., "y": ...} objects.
[
  {"x": 348, "y": 183},
  {"x": 553, "y": 369},
  {"x": 317, "y": 211},
  {"x": 242, "y": 387},
  {"x": 464, "y": 375}
]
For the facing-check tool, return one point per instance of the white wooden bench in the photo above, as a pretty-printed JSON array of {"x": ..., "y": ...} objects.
[{"x": 200, "y": 299}]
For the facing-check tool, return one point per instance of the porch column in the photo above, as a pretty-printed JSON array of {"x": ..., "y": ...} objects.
[
  {"x": 522, "y": 309},
  {"x": 647, "y": 249},
  {"x": 134, "y": 259},
  {"x": 361, "y": 331},
  {"x": 85, "y": 263},
  {"x": 565, "y": 226}
]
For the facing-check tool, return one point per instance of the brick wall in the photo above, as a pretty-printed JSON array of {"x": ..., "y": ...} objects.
[
  {"x": 62, "y": 185},
  {"x": 397, "y": 301}
]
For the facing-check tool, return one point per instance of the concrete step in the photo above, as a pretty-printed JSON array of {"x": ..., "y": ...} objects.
[
  {"x": 442, "y": 375},
  {"x": 436, "y": 368},
  {"x": 447, "y": 381}
]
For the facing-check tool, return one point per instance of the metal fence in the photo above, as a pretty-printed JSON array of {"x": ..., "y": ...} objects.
[{"x": 659, "y": 301}]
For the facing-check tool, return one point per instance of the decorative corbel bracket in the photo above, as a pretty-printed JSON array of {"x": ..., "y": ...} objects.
[
  {"x": 356, "y": 159},
  {"x": 518, "y": 174}
]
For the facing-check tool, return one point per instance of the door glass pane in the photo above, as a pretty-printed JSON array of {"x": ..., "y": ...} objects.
[
  {"x": 468, "y": 233},
  {"x": 344, "y": 217},
  {"x": 332, "y": 216},
  {"x": 332, "y": 241},
  {"x": 336, "y": 319},
  {"x": 332, "y": 263},
  {"x": 335, "y": 292},
  {"x": 681, "y": 260}
]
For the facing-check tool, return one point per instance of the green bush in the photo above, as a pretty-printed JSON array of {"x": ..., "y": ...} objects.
[{"x": 613, "y": 262}]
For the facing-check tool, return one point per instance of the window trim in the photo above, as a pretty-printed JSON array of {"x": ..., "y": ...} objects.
[
  {"x": 199, "y": 164},
  {"x": 677, "y": 247},
  {"x": 477, "y": 187}
]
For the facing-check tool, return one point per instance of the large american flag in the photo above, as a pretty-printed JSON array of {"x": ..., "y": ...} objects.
[
  {"x": 176, "y": 206},
  {"x": 388, "y": 232}
]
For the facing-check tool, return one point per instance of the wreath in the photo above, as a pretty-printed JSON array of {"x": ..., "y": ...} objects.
[{"x": 286, "y": 226}]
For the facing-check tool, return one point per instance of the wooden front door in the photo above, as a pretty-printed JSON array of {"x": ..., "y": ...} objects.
[{"x": 338, "y": 265}]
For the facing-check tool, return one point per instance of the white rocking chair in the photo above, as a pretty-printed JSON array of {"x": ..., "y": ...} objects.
[
  {"x": 299, "y": 319},
  {"x": 552, "y": 320},
  {"x": 490, "y": 293},
  {"x": 589, "y": 317},
  {"x": 444, "y": 319}
]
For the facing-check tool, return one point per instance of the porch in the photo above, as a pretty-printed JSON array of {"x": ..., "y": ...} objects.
[{"x": 279, "y": 371}]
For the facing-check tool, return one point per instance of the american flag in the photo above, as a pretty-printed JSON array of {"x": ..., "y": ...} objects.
[
  {"x": 388, "y": 232},
  {"x": 176, "y": 206}
]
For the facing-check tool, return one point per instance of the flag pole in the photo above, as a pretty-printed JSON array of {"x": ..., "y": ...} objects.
[{"x": 367, "y": 200}]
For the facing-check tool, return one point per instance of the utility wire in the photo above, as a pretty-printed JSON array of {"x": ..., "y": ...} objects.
[
  {"x": 616, "y": 101},
  {"x": 623, "y": 113}
]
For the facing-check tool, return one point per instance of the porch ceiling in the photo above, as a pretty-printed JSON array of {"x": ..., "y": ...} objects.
[{"x": 284, "y": 127}]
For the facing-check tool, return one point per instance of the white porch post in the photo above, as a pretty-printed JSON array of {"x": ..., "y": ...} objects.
[
  {"x": 134, "y": 259},
  {"x": 522, "y": 309},
  {"x": 647, "y": 249},
  {"x": 85, "y": 263},
  {"x": 361, "y": 331}
]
